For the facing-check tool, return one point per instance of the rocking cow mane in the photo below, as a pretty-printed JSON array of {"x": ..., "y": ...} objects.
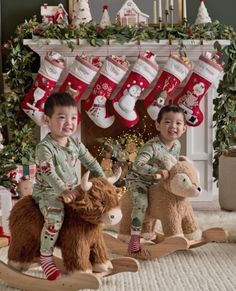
[{"x": 89, "y": 206}]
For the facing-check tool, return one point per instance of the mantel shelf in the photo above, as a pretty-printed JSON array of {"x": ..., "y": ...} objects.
[{"x": 162, "y": 49}]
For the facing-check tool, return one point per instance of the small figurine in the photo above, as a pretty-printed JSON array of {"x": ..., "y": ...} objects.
[
  {"x": 105, "y": 21},
  {"x": 83, "y": 15}
]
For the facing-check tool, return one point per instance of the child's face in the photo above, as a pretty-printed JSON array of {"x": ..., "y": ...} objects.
[
  {"x": 171, "y": 127},
  {"x": 63, "y": 122}
]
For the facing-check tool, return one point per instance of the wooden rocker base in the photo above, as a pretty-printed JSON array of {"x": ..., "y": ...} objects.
[
  {"x": 210, "y": 235},
  {"x": 153, "y": 250},
  {"x": 68, "y": 282}
]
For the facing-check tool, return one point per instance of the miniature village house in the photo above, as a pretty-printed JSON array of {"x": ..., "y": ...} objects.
[
  {"x": 130, "y": 14},
  {"x": 54, "y": 14}
]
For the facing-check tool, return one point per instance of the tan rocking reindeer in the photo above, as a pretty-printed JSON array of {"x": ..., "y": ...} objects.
[
  {"x": 168, "y": 202},
  {"x": 80, "y": 239}
]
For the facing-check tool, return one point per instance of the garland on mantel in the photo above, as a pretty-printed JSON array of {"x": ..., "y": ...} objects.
[
  {"x": 225, "y": 109},
  {"x": 19, "y": 145}
]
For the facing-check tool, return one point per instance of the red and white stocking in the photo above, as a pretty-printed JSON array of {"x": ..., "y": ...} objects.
[
  {"x": 206, "y": 72},
  {"x": 112, "y": 71},
  {"x": 45, "y": 81},
  {"x": 142, "y": 74},
  {"x": 174, "y": 72},
  {"x": 80, "y": 75}
]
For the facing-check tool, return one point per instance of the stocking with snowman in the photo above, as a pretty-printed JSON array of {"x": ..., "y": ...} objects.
[
  {"x": 142, "y": 74},
  {"x": 45, "y": 81},
  {"x": 113, "y": 70}
]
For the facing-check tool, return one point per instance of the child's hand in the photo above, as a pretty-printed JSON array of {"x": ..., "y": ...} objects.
[
  {"x": 162, "y": 174},
  {"x": 68, "y": 195}
]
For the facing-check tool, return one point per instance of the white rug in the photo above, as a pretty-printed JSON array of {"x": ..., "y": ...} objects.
[
  {"x": 219, "y": 218},
  {"x": 208, "y": 268},
  {"x": 208, "y": 219}
]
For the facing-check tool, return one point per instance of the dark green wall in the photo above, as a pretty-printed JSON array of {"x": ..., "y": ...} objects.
[
  {"x": 222, "y": 10},
  {"x": 16, "y": 11}
]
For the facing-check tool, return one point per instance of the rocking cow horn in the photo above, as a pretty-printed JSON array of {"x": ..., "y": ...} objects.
[
  {"x": 115, "y": 177},
  {"x": 86, "y": 185}
]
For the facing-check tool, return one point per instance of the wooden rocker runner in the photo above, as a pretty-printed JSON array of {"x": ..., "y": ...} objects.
[
  {"x": 164, "y": 246},
  {"x": 68, "y": 282}
]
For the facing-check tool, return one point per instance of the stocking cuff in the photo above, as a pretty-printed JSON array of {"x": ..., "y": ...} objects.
[
  {"x": 208, "y": 69},
  {"x": 113, "y": 71},
  {"x": 50, "y": 71},
  {"x": 83, "y": 70},
  {"x": 177, "y": 67},
  {"x": 146, "y": 68}
]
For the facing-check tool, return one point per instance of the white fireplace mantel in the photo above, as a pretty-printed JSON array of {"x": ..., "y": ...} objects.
[{"x": 198, "y": 141}]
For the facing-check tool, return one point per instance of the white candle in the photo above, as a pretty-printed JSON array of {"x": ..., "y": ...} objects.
[
  {"x": 167, "y": 5},
  {"x": 159, "y": 9},
  {"x": 154, "y": 11},
  {"x": 184, "y": 10},
  {"x": 172, "y": 3}
]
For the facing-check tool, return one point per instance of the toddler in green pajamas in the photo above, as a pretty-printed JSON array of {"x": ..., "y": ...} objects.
[
  {"x": 149, "y": 165},
  {"x": 56, "y": 158}
]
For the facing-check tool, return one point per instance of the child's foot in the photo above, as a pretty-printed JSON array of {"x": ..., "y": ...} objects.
[
  {"x": 134, "y": 244},
  {"x": 50, "y": 270}
]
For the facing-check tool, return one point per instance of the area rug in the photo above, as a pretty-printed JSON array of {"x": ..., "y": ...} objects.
[
  {"x": 207, "y": 219},
  {"x": 208, "y": 268},
  {"x": 219, "y": 218}
]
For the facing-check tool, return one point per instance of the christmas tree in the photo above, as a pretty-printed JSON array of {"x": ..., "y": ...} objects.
[
  {"x": 83, "y": 15},
  {"x": 105, "y": 20},
  {"x": 202, "y": 16}
]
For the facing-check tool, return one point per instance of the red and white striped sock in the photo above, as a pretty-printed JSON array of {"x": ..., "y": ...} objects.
[
  {"x": 49, "y": 268},
  {"x": 134, "y": 243}
]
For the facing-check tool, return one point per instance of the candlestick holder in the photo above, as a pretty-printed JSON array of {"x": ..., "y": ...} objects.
[
  {"x": 172, "y": 15},
  {"x": 160, "y": 22},
  {"x": 184, "y": 21},
  {"x": 166, "y": 16}
]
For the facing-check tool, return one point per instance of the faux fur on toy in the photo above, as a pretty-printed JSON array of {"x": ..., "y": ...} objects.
[
  {"x": 80, "y": 238},
  {"x": 168, "y": 202}
]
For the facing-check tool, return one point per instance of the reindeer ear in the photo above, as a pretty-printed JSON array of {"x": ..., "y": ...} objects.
[{"x": 169, "y": 162}]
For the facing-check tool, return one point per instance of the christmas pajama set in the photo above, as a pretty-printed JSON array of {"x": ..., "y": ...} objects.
[
  {"x": 141, "y": 176},
  {"x": 56, "y": 172}
]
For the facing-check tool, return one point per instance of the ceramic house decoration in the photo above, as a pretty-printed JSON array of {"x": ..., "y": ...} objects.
[
  {"x": 54, "y": 14},
  {"x": 130, "y": 14}
]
